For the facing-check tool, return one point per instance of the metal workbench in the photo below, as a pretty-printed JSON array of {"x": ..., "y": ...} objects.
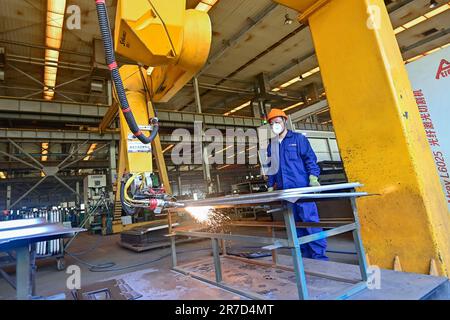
[
  {"x": 284, "y": 199},
  {"x": 21, "y": 237}
]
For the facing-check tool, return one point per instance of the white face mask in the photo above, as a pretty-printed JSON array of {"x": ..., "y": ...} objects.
[{"x": 277, "y": 128}]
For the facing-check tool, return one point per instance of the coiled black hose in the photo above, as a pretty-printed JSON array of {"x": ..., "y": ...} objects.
[{"x": 112, "y": 65}]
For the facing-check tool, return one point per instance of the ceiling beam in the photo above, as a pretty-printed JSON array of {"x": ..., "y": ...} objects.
[
  {"x": 287, "y": 67},
  {"x": 234, "y": 40},
  {"x": 59, "y": 135},
  {"x": 429, "y": 39},
  {"x": 399, "y": 4},
  {"x": 52, "y": 107},
  {"x": 88, "y": 164}
]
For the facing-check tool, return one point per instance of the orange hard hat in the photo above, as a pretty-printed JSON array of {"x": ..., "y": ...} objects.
[{"x": 276, "y": 113}]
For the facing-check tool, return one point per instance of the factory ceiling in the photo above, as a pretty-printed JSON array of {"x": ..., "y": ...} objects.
[{"x": 250, "y": 37}]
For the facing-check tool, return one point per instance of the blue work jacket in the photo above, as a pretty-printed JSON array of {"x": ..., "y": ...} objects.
[{"x": 297, "y": 161}]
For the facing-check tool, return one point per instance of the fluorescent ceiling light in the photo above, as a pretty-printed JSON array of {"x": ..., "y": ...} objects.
[
  {"x": 44, "y": 151},
  {"x": 2, "y": 175},
  {"x": 90, "y": 151},
  {"x": 293, "y": 106},
  {"x": 242, "y": 106},
  {"x": 427, "y": 53},
  {"x": 291, "y": 82},
  {"x": 220, "y": 151},
  {"x": 414, "y": 22},
  {"x": 399, "y": 29},
  {"x": 432, "y": 51},
  {"x": 52, "y": 56},
  {"x": 437, "y": 11},
  {"x": 422, "y": 18},
  {"x": 53, "y": 38},
  {"x": 205, "y": 5},
  {"x": 310, "y": 73},
  {"x": 168, "y": 148},
  {"x": 296, "y": 79}
]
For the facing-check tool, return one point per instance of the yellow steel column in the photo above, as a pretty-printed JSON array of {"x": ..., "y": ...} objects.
[
  {"x": 380, "y": 135},
  {"x": 159, "y": 156}
]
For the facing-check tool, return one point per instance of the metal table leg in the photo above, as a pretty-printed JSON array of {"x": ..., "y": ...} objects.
[
  {"x": 358, "y": 243},
  {"x": 216, "y": 255},
  {"x": 296, "y": 253},
  {"x": 174, "y": 251},
  {"x": 23, "y": 272},
  {"x": 274, "y": 251},
  {"x": 361, "y": 255},
  {"x": 223, "y": 244},
  {"x": 33, "y": 268}
]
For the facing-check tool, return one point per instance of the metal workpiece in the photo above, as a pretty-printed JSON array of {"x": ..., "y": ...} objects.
[
  {"x": 22, "y": 223},
  {"x": 286, "y": 198},
  {"x": 288, "y": 195},
  {"x": 21, "y": 236},
  {"x": 32, "y": 230}
]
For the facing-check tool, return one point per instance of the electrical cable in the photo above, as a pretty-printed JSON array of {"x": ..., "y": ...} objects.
[
  {"x": 81, "y": 253},
  {"x": 144, "y": 83},
  {"x": 148, "y": 93},
  {"x": 164, "y": 26},
  {"x": 92, "y": 267}
]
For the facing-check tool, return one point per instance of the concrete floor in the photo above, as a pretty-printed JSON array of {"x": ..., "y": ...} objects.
[{"x": 50, "y": 281}]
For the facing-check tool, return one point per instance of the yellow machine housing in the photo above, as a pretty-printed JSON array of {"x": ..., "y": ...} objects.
[{"x": 166, "y": 36}]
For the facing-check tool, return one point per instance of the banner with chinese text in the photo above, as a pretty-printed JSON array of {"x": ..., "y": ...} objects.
[{"x": 430, "y": 79}]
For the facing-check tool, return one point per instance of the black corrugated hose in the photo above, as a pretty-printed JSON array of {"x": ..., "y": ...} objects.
[{"x": 112, "y": 65}]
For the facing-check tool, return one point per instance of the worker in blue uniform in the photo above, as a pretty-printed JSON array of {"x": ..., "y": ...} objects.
[{"x": 297, "y": 168}]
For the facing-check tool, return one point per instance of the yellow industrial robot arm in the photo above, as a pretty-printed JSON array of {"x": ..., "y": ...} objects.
[
  {"x": 159, "y": 34},
  {"x": 163, "y": 35},
  {"x": 171, "y": 42}
]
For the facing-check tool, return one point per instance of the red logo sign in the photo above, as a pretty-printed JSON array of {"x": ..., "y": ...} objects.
[{"x": 444, "y": 69}]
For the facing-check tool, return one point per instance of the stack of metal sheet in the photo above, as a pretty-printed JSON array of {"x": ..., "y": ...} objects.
[{"x": 144, "y": 236}]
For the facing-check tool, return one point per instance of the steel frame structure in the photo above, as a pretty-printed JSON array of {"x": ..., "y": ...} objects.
[
  {"x": 285, "y": 198},
  {"x": 49, "y": 171}
]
